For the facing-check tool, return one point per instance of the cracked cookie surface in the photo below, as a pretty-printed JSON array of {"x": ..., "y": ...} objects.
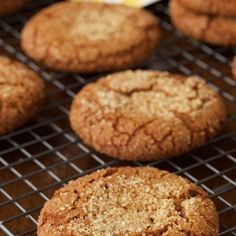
[
  {"x": 129, "y": 201},
  {"x": 217, "y": 30},
  {"x": 90, "y": 37},
  {"x": 212, "y": 7},
  {"x": 21, "y": 93},
  {"x": 146, "y": 115},
  {"x": 10, "y": 6}
]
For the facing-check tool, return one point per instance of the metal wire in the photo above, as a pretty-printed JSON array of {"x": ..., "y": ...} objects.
[{"x": 45, "y": 154}]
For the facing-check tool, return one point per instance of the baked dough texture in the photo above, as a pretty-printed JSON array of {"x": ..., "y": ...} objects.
[
  {"x": 129, "y": 201},
  {"x": 211, "y": 7},
  {"x": 21, "y": 93},
  {"x": 90, "y": 37},
  {"x": 146, "y": 115},
  {"x": 216, "y": 29}
]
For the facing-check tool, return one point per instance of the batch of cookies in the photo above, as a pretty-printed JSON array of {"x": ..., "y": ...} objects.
[{"x": 134, "y": 115}]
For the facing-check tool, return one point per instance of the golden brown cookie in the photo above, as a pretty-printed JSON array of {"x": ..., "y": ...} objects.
[
  {"x": 212, "y": 7},
  {"x": 129, "y": 201},
  {"x": 21, "y": 93},
  {"x": 211, "y": 29},
  {"x": 10, "y": 6},
  {"x": 146, "y": 115},
  {"x": 90, "y": 37},
  {"x": 234, "y": 67}
]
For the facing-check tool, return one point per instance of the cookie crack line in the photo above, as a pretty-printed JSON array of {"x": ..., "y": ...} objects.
[
  {"x": 144, "y": 115},
  {"x": 138, "y": 90},
  {"x": 77, "y": 51},
  {"x": 211, "y": 28},
  {"x": 99, "y": 54},
  {"x": 107, "y": 175},
  {"x": 138, "y": 129},
  {"x": 143, "y": 126},
  {"x": 47, "y": 54},
  {"x": 190, "y": 131},
  {"x": 155, "y": 88},
  {"x": 207, "y": 26},
  {"x": 132, "y": 135},
  {"x": 21, "y": 93}
]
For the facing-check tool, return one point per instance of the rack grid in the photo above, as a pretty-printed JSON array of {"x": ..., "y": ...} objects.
[{"x": 43, "y": 155}]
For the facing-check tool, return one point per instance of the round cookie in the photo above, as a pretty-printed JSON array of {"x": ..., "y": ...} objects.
[
  {"x": 129, "y": 201},
  {"x": 90, "y": 37},
  {"x": 234, "y": 67},
  {"x": 146, "y": 115},
  {"x": 10, "y": 6},
  {"x": 214, "y": 30},
  {"x": 21, "y": 93},
  {"x": 212, "y": 7}
]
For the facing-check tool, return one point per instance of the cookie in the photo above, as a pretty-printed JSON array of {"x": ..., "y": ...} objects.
[
  {"x": 90, "y": 37},
  {"x": 234, "y": 67},
  {"x": 21, "y": 93},
  {"x": 129, "y": 201},
  {"x": 146, "y": 115},
  {"x": 212, "y": 7},
  {"x": 211, "y": 29},
  {"x": 10, "y": 6}
]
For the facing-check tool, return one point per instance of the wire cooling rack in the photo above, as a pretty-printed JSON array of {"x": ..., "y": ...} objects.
[{"x": 43, "y": 155}]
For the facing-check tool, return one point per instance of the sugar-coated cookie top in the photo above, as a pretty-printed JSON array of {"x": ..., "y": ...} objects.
[
  {"x": 146, "y": 115},
  {"x": 129, "y": 201},
  {"x": 21, "y": 92},
  {"x": 89, "y": 37}
]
